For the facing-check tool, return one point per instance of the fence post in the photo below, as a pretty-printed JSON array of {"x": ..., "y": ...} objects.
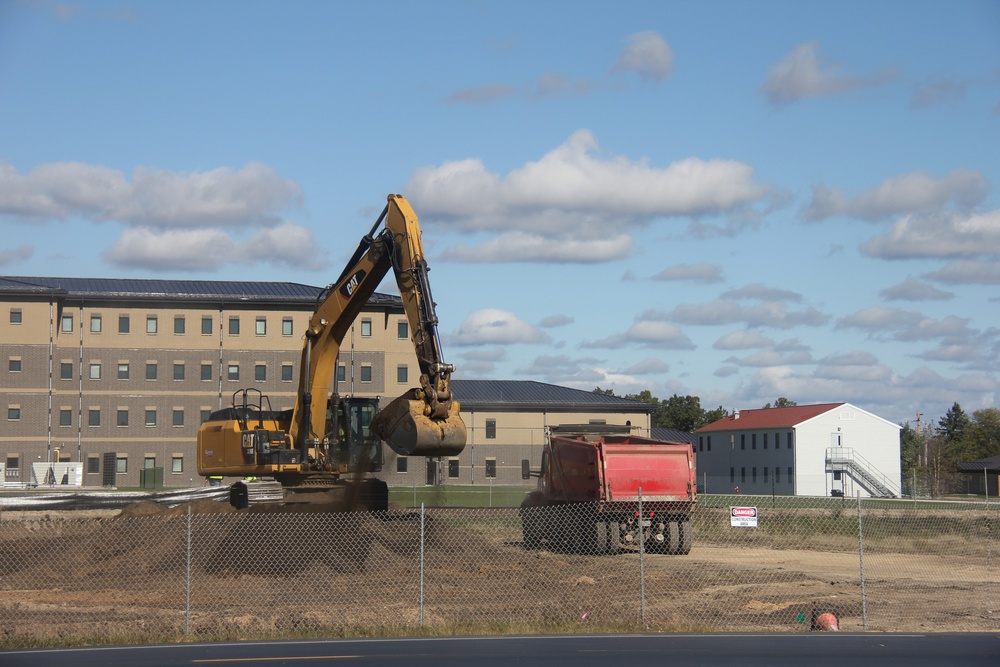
[
  {"x": 642, "y": 564},
  {"x": 187, "y": 601},
  {"x": 861, "y": 553},
  {"x": 421, "y": 565}
]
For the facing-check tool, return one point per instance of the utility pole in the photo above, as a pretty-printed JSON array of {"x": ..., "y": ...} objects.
[{"x": 919, "y": 415}]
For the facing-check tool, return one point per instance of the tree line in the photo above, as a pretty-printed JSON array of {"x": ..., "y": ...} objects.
[
  {"x": 683, "y": 413},
  {"x": 930, "y": 456}
]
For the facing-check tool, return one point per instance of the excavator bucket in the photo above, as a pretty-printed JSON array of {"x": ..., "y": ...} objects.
[{"x": 406, "y": 428}]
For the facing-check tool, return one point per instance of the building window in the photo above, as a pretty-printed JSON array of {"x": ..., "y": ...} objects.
[
  {"x": 234, "y": 326},
  {"x": 94, "y": 417},
  {"x": 13, "y": 463},
  {"x": 14, "y": 365},
  {"x": 743, "y": 474},
  {"x": 709, "y": 443},
  {"x": 366, "y": 328},
  {"x": 122, "y": 417},
  {"x": 206, "y": 414},
  {"x": 788, "y": 439},
  {"x": 366, "y": 373},
  {"x": 96, "y": 323},
  {"x": 777, "y": 475},
  {"x": 700, "y": 443},
  {"x": 180, "y": 325},
  {"x": 206, "y": 371},
  {"x": 233, "y": 372},
  {"x": 121, "y": 465},
  {"x": 150, "y": 417},
  {"x": 65, "y": 371},
  {"x": 123, "y": 371},
  {"x": 777, "y": 441},
  {"x": 260, "y": 372},
  {"x": 491, "y": 429},
  {"x": 401, "y": 464},
  {"x": 765, "y": 473},
  {"x": 765, "y": 441},
  {"x": 206, "y": 325},
  {"x": 286, "y": 326},
  {"x": 491, "y": 468},
  {"x": 15, "y": 316},
  {"x": 341, "y": 373},
  {"x": 123, "y": 324},
  {"x": 65, "y": 417},
  {"x": 152, "y": 324},
  {"x": 261, "y": 326},
  {"x": 402, "y": 375},
  {"x": 753, "y": 441},
  {"x": 13, "y": 413},
  {"x": 178, "y": 418},
  {"x": 286, "y": 372},
  {"x": 93, "y": 465},
  {"x": 453, "y": 468},
  {"x": 732, "y": 475},
  {"x": 791, "y": 474},
  {"x": 178, "y": 371},
  {"x": 149, "y": 462},
  {"x": 177, "y": 464},
  {"x": 753, "y": 472},
  {"x": 743, "y": 440},
  {"x": 403, "y": 330},
  {"x": 66, "y": 325},
  {"x": 95, "y": 371},
  {"x": 151, "y": 370}
]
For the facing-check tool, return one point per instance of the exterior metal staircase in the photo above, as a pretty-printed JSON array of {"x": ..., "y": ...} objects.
[{"x": 845, "y": 459}]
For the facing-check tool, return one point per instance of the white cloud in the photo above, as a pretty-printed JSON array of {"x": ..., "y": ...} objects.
[
  {"x": 647, "y": 54},
  {"x": 761, "y": 292},
  {"x": 491, "y": 326},
  {"x": 907, "y": 193},
  {"x": 576, "y": 198},
  {"x": 556, "y": 321},
  {"x": 968, "y": 273},
  {"x": 915, "y": 290},
  {"x": 742, "y": 340},
  {"x": 154, "y": 198},
  {"x": 803, "y": 73},
  {"x": 649, "y": 330},
  {"x": 18, "y": 254},
  {"x": 943, "y": 235},
  {"x": 210, "y": 249},
  {"x": 767, "y": 314},
  {"x": 700, "y": 273}
]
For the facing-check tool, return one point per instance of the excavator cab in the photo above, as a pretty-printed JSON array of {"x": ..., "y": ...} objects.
[{"x": 356, "y": 445}]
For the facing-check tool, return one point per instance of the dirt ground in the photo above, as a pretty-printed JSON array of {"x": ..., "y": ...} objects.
[{"x": 136, "y": 575}]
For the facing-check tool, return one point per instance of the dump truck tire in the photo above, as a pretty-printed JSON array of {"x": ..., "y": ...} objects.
[{"x": 687, "y": 538}]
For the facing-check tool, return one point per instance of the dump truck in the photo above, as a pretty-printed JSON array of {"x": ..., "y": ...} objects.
[{"x": 602, "y": 489}]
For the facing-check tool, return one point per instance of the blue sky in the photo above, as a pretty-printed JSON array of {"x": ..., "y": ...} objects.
[{"x": 733, "y": 200}]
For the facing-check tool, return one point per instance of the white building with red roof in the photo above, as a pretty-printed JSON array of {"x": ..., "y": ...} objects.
[{"x": 803, "y": 450}]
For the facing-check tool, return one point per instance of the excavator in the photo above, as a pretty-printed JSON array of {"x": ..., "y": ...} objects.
[{"x": 322, "y": 451}]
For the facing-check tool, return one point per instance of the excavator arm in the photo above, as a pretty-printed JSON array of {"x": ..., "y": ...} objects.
[{"x": 423, "y": 422}]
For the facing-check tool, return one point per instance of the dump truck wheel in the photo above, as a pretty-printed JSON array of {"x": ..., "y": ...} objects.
[
  {"x": 672, "y": 543},
  {"x": 601, "y": 529},
  {"x": 614, "y": 537},
  {"x": 686, "y": 538}
]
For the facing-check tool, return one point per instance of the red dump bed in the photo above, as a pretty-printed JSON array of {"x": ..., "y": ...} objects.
[{"x": 615, "y": 468}]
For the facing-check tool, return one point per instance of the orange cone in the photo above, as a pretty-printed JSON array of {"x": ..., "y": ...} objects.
[{"x": 827, "y": 622}]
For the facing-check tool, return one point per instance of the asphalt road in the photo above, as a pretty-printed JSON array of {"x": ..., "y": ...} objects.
[{"x": 799, "y": 650}]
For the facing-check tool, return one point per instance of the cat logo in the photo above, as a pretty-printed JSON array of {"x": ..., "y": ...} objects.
[{"x": 347, "y": 290}]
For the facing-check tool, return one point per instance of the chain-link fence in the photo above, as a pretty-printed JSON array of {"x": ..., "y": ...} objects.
[{"x": 202, "y": 571}]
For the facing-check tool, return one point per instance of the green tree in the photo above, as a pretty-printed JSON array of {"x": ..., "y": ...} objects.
[
  {"x": 604, "y": 392},
  {"x": 781, "y": 402},
  {"x": 954, "y": 423},
  {"x": 982, "y": 437},
  {"x": 683, "y": 413},
  {"x": 714, "y": 415}
]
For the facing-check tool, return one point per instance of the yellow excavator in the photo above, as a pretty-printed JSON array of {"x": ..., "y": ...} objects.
[{"x": 323, "y": 450}]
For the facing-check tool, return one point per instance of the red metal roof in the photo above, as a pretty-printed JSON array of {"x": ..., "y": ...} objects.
[{"x": 769, "y": 418}]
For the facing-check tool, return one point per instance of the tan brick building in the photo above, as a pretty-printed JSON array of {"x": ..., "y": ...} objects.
[{"x": 116, "y": 375}]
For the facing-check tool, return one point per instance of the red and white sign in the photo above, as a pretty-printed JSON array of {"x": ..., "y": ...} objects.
[{"x": 743, "y": 517}]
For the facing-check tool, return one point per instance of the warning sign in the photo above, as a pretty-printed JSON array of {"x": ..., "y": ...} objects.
[{"x": 743, "y": 517}]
